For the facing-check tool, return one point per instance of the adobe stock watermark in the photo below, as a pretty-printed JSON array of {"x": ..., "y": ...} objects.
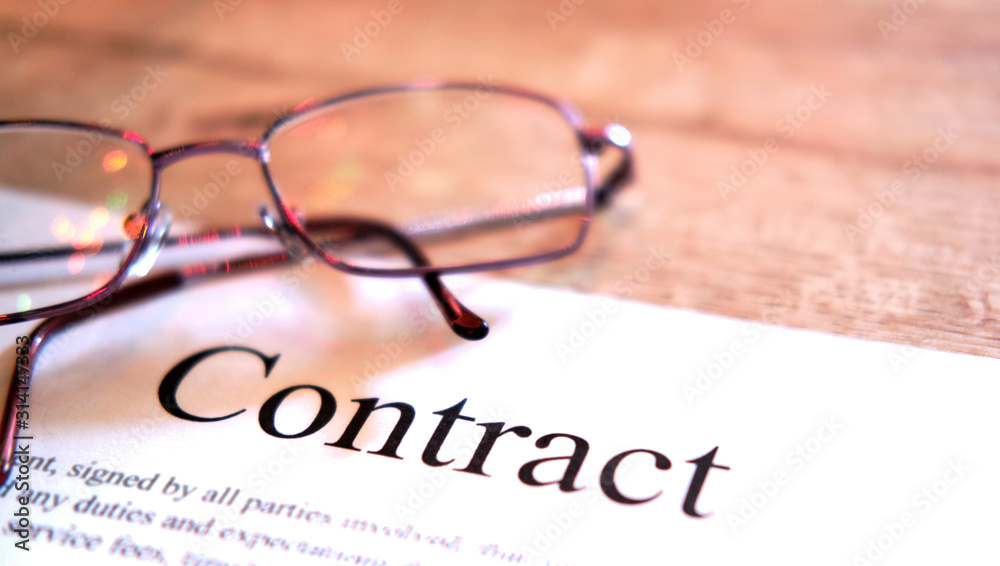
[
  {"x": 266, "y": 307},
  {"x": 390, "y": 350},
  {"x": 726, "y": 357},
  {"x": 61, "y": 340},
  {"x": 452, "y": 119},
  {"x": 698, "y": 43},
  {"x": 31, "y": 25},
  {"x": 559, "y": 524},
  {"x": 257, "y": 483},
  {"x": 420, "y": 494},
  {"x": 204, "y": 195},
  {"x": 262, "y": 310},
  {"x": 225, "y": 7},
  {"x": 435, "y": 480},
  {"x": 795, "y": 460},
  {"x": 365, "y": 34},
  {"x": 899, "y": 17},
  {"x": 562, "y": 13},
  {"x": 985, "y": 272},
  {"x": 596, "y": 318},
  {"x": 556, "y": 525},
  {"x": 787, "y": 126},
  {"x": 121, "y": 107},
  {"x": 921, "y": 503},
  {"x": 558, "y": 194},
  {"x": 563, "y": 192},
  {"x": 884, "y": 199}
]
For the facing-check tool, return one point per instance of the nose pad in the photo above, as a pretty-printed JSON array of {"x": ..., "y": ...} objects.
[
  {"x": 293, "y": 246},
  {"x": 156, "y": 237},
  {"x": 269, "y": 222}
]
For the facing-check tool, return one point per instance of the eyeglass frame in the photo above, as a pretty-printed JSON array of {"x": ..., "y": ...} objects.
[{"x": 152, "y": 236}]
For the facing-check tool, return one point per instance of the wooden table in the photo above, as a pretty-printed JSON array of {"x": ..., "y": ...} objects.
[{"x": 866, "y": 131}]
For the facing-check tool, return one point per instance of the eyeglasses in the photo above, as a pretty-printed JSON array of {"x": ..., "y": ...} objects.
[
  {"x": 414, "y": 180},
  {"x": 420, "y": 179}
]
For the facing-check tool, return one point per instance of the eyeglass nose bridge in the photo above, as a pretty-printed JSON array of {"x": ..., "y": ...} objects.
[
  {"x": 159, "y": 216},
  {"x": 167, "y": 157}
]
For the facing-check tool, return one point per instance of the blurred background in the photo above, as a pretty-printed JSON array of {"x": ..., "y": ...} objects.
[{"x": 814, "y": 165}]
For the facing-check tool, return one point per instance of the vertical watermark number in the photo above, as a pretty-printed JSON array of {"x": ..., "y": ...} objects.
[{"x": 22, "y": 450}]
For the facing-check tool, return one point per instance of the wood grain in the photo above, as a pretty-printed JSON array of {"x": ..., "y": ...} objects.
[{"x": 924, "y": 269}]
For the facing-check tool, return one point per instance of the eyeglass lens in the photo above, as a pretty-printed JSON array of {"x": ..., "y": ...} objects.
[
  {"x": 468, "y": 175},
  {"x": 72, "y": 202}
]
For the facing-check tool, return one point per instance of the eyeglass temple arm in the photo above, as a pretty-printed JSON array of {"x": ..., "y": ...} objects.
[
  {"x": 460, "y": 319},
  {"x": 22, "y": 375},
  {"x": 596, "y": 142}
]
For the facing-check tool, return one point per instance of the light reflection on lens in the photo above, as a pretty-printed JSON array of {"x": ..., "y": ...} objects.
[
  {"x": 95, "y": 245},
  {"x": 98, "y": 217},
  {"x": 116, "y": 200},
  {"x": 115, "y": 161},
  {"x": 62, "y": 228},
  {"x": 307, "y": 128},
  {"x": 84, "y": 239},
  {"x": 350, "y": 170},
  {"x": 23, "y": 302},
  {"x": 75, "y": 263},
  {"x": 342, "y": 181}
]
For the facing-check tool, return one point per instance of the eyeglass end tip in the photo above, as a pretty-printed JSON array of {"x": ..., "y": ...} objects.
[{"x": 470, "y": 327}]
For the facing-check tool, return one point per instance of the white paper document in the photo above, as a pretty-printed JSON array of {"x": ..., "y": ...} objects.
[{"x": 304, "y": 417}]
